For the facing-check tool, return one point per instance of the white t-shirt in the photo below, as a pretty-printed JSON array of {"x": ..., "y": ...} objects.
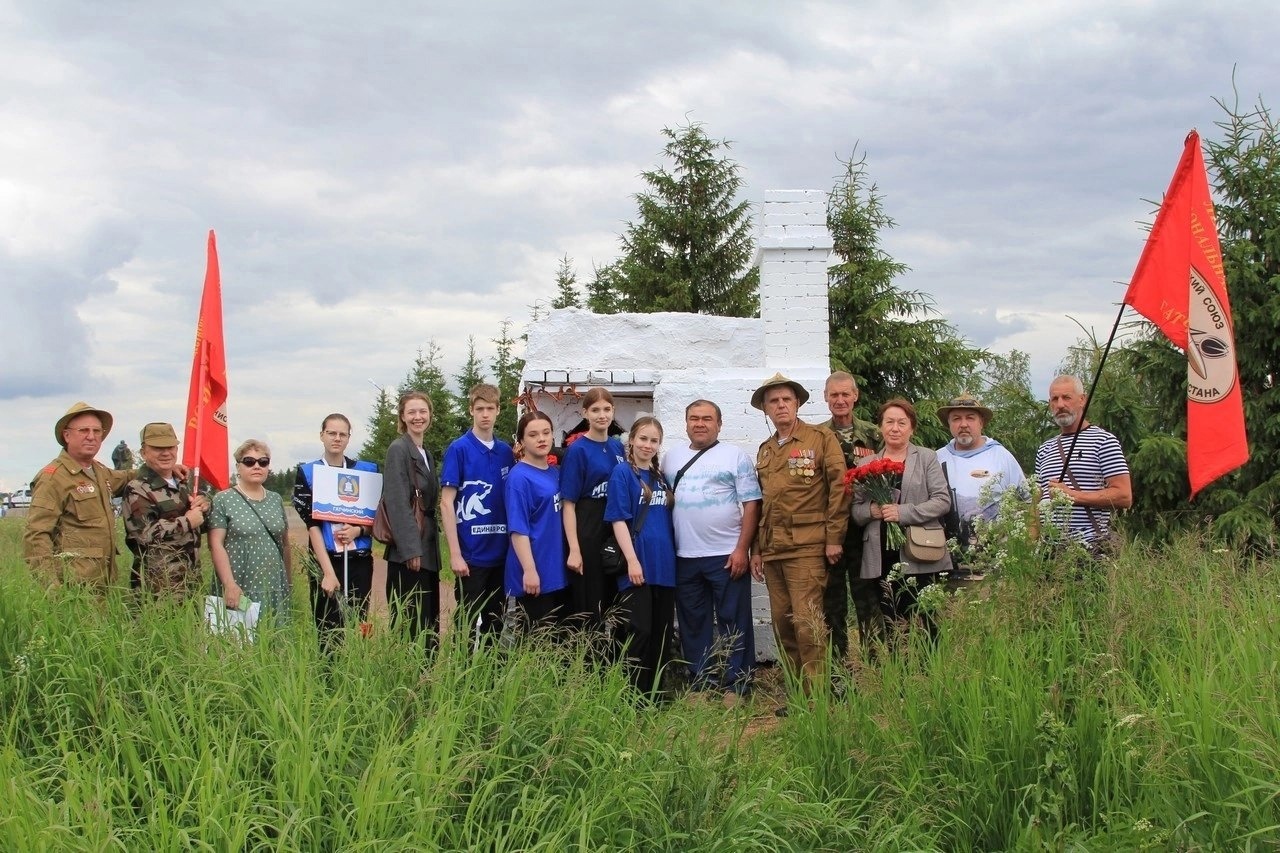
[{"x": 709, "y": 499}]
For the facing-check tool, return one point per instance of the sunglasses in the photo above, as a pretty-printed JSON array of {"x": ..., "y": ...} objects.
[{"x": 249, "y": 462}]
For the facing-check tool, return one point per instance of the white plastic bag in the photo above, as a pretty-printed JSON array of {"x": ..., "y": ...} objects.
[{"x": 223, "y": 620}]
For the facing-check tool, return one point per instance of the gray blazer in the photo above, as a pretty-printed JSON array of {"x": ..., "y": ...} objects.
[
  {"x": 402, "y": 455},
  {"x": 925, "y": 500}
]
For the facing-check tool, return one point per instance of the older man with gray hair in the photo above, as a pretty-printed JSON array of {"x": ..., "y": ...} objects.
[{"x": 1085, "y": 463}]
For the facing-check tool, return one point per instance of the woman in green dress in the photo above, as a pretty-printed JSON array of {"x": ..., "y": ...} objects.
[{"x": 248, "y": 537}]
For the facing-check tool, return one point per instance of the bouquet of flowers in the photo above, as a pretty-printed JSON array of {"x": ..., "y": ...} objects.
[{"x": 878, "y": 479}]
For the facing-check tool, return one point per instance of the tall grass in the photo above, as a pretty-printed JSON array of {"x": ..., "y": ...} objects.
[{"x": 1136, "y": 709}]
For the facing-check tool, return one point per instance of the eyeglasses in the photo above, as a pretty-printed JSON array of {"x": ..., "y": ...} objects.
[
  {"x": 263, "y": 462},
  {"x": 331, "y": 434}
]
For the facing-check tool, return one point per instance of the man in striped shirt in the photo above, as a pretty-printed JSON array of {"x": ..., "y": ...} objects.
[{"x": 1093, "y": 473}]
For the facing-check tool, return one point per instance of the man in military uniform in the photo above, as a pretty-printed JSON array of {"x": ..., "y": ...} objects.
[
  {"x": 162, "y": 521},
  {"x": 71, "y": 527},
  {"x": 858, "y": 439},
  {"x": 802, "y": 525}
]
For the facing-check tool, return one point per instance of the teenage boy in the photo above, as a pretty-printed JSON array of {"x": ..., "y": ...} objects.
[{"x": 474, "y": 516}]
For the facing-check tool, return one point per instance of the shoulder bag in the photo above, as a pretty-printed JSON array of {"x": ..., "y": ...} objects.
[
  {"x": 612, "y": 562},
  {"x": 382, "y": 524}
]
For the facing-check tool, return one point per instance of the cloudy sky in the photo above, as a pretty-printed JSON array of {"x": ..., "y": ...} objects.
[{"x": 383, "y": 174}]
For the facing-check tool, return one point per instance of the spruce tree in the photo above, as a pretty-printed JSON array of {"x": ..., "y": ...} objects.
[
  {"x": 567, "y": 295},
  {"x": 382, "y": 429},
  {"x": 691, "y": 247},
  {"x": 507, "y": 367},
  {"x": 892, "y": 340}
]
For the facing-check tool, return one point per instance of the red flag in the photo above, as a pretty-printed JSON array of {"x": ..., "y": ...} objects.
[
  {"x": 1179, "y": 285},
  {"x": 205, "y": 441}
]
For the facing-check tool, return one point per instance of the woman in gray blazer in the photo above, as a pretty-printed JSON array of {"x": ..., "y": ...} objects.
[
  {"x": 413, "y": 559},
  {"x": 924, "y": 499}
]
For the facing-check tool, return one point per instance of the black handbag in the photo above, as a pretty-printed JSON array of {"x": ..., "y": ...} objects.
[{"x": 612, "y": 561}]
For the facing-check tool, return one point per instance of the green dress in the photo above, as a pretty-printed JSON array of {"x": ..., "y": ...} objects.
[{"x": 253, "y": 530}]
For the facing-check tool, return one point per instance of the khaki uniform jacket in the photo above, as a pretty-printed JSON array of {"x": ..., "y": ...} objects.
[
  {"x": 71, "y": 514},
  {"x": 805, "y": 508}
]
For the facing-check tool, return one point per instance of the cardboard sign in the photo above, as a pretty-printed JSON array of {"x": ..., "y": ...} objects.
[{"x": 344, "y": 494}]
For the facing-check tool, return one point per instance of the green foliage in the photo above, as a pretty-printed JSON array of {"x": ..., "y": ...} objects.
[
  {"x": 1148, "y": 376},
  {"x": 427, "y": 375},
  {"x": 471, "y": 375},
  {"x": 603, "y": 290},
  {"x": 281, "y": 482},
  {"x": 891, "y": 340},
  {"x": 1020, "y": 420},
  {"x": 382, "y": 429},
  {"x": 567, "y": 295},
  {"x": 691, "y": 247},
  {"x": 1116, "y": 707},
  {"x": 507, "y": 367}
]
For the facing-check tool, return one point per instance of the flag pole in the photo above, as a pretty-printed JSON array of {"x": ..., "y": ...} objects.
[
  {"x": 1097, "y": 374},
  {"x": 200, "y": 406}
]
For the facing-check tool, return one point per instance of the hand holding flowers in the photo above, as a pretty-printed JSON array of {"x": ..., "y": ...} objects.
[{"x": 878, "y": 480}]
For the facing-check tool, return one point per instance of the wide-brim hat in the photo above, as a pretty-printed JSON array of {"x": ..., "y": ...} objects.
[
  {"x": 81, "y": 408},
  {"x": 964, "y": 401},
  {"x": 757, "y": 399}
]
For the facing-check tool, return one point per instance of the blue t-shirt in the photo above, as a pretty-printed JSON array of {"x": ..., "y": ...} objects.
[
  {"x": 656, "y": 544},
  {"x": 587, "y": 466},
  {"x": 478, "y": 473},
  {"x": 533, "y": 509}
]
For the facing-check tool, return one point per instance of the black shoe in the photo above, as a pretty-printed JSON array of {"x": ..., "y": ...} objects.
[{"x": 781, "y": 712}]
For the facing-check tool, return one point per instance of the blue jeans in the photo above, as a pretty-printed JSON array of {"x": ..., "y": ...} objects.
[{"x": 716, "y": 634}]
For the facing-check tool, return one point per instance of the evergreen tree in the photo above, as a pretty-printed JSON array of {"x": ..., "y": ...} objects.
[
  {"x": 1020, "y": 421},
  {"x": 471, "y": 375},
  {"x": 382, "y": 429},
  {"x": 566, "y": 286},
  {"x": 603, "y": 289},
  {"x": 890, "y": 339},
  {"x": 507, "y": 367},
  {"x": 1244, "y": 168},
  {"x": 691, "y": 248},
  {"x": 427, "y": 375}
]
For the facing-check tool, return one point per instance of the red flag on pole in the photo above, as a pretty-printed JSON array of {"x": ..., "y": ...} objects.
[
  {"x": 1179, "y": 285},
  {"x": 205, "y": 441}
]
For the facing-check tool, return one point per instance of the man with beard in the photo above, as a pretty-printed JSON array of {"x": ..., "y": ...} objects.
[
  {"x": 1093, "y": 474},
  {"x": 978, "y": 467}
]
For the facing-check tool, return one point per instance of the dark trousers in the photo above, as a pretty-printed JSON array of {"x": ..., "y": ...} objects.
[
  {"x": 844, "y": 582},
  {"x": 900, "y": 600},
  {"x": 591, "y": 594},
  {"x": 717, "y": 637},
  {"x": 327, "y": 609},
  {"x": 546, "y": 609},
  {"x": 415, "y": 597},
  {"x": 480, "y": 597},
  {"x": 648, "y": 616}
]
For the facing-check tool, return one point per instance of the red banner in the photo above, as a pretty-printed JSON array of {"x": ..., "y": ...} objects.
[
  {"x": 205, "y": 441},
  {"x": 1180, "y": 286}
]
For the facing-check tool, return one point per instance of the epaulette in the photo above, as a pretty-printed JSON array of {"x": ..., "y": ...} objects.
[{"x": 50, "y": 468}]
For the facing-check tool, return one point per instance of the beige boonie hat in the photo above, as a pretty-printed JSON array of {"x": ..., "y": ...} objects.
[
  {"x": 81, "y": 408},
  {"x": 964, "y": 401},
  {"x": 158, "y": 435},
  {"x": 757, "y": 399}
]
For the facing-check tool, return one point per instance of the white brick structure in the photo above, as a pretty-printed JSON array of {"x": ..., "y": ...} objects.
[{"x": 659, "y": 363}]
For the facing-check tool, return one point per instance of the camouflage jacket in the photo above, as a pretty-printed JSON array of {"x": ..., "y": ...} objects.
[
  {"x": 163, "y": 542},
  {"x": 859, "y": 442}
]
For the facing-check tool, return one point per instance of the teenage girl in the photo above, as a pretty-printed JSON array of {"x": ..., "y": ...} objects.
[
  {"x": 639, "y": 508},
  {"x": 584, "y": 485},
  {"x": 535, "y": 571}
]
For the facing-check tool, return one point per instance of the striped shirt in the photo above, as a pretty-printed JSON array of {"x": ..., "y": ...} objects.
[{"x": 1097, "y": 457}]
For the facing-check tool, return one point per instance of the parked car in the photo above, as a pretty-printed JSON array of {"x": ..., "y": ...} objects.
[{"x": 20, "y": 498}]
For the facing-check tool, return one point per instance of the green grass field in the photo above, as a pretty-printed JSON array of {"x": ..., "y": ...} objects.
[{"x": 1135, "y": 710}]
